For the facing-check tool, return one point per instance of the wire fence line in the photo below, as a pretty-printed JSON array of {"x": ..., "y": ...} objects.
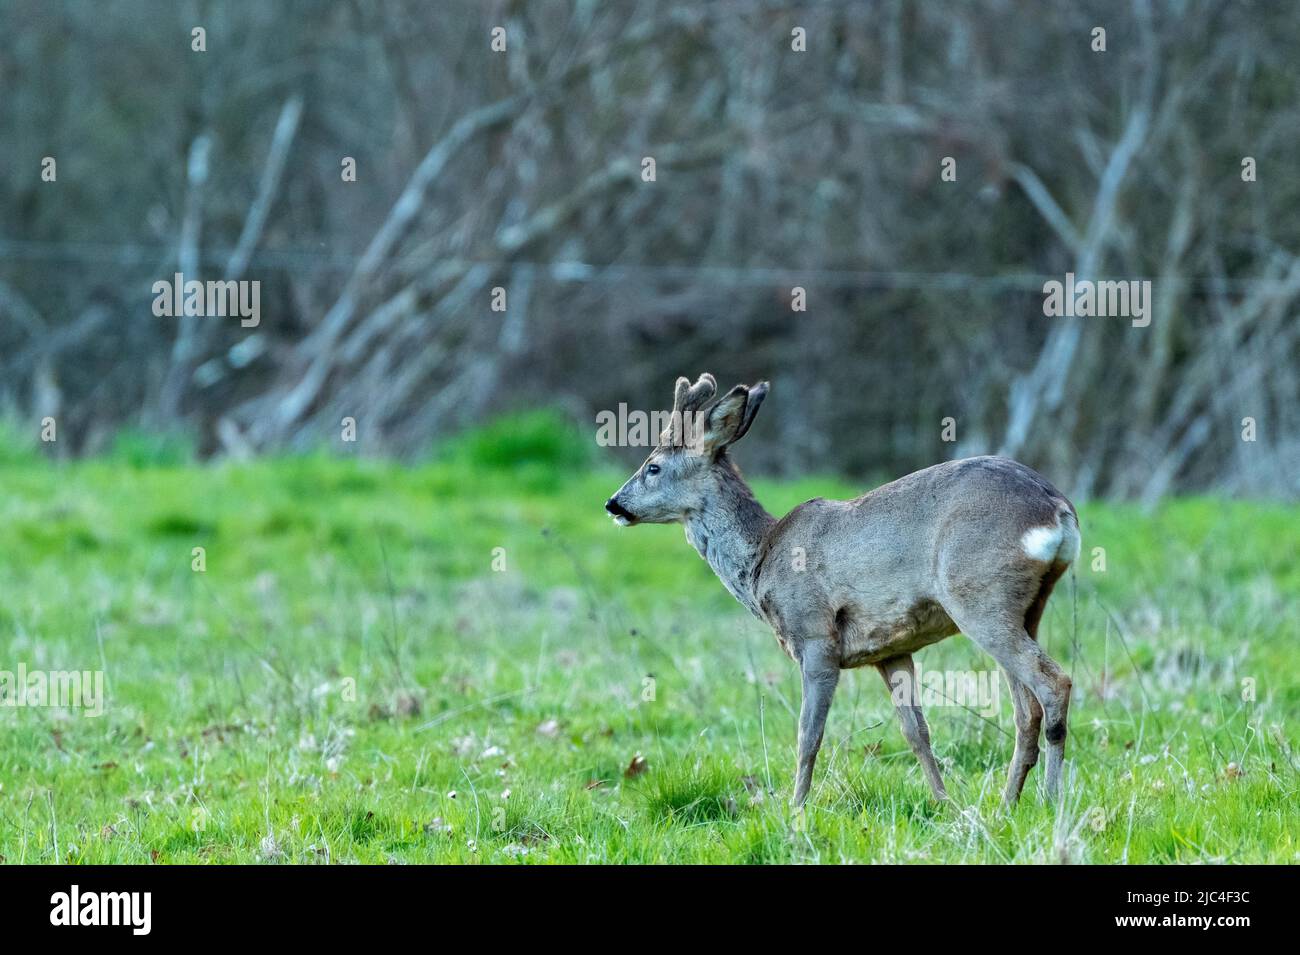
[{"x": 136, "y": 255}]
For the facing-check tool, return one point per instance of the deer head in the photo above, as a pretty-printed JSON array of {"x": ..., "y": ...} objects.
[{"x": 690, "y": 463}]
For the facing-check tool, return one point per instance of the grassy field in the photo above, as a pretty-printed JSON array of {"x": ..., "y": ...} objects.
[{"x": 464, "y": 661}]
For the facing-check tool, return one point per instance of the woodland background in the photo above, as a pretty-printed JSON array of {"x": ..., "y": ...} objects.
[{"x": 775, "y": 169}]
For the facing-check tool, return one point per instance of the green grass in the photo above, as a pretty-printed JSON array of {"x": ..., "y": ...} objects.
[{"x": 350, "y": 680}]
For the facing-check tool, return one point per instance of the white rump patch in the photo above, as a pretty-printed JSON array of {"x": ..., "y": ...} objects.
[{"x": 1042, "y": 543}]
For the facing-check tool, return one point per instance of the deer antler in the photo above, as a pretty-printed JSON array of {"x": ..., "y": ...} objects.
[{"x": 688, "y": 399}]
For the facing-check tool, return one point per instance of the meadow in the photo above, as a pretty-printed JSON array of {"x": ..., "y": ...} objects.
[{"x": 463, "y": 660}]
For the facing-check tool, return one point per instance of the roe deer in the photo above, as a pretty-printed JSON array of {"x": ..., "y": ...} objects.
[{"x": 974, "y": 545}]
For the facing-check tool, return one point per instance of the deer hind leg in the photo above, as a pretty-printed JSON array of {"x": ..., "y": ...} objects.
[
  {"x": 819, "y": 665},
  {"x": 1029, "y": 712},
  {"x": 1028, "y": 664},
  {"x": 900, "y": 677},
  {"x": 1029, "y": 720}
]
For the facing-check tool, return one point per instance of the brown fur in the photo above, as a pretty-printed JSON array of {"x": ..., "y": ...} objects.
[{"x": 1035, "y": 612}]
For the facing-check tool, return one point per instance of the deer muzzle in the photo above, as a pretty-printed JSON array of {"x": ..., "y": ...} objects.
[{"x": 622, "y": 516}]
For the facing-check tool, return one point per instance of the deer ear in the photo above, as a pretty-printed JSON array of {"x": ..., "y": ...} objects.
[
  {"x": 756, "y": 395},
  {"x": 724, "y": 421}
]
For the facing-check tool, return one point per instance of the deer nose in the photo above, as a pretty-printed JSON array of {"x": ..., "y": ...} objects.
[{"x": 616, "y": 509}]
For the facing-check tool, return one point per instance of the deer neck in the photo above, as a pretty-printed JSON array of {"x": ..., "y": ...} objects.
[{"x": 728, "y": 532}]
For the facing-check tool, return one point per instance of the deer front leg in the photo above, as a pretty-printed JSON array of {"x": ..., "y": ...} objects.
[
  {"x": 900, "y": 677},
  {"x": 820, "y": 666}
]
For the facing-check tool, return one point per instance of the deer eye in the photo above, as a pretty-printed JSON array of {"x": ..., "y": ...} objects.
[{"x": 652, "y": 469}]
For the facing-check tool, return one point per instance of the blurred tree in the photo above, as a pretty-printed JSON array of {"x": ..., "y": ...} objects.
[{"x": 775, "y": 167}]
